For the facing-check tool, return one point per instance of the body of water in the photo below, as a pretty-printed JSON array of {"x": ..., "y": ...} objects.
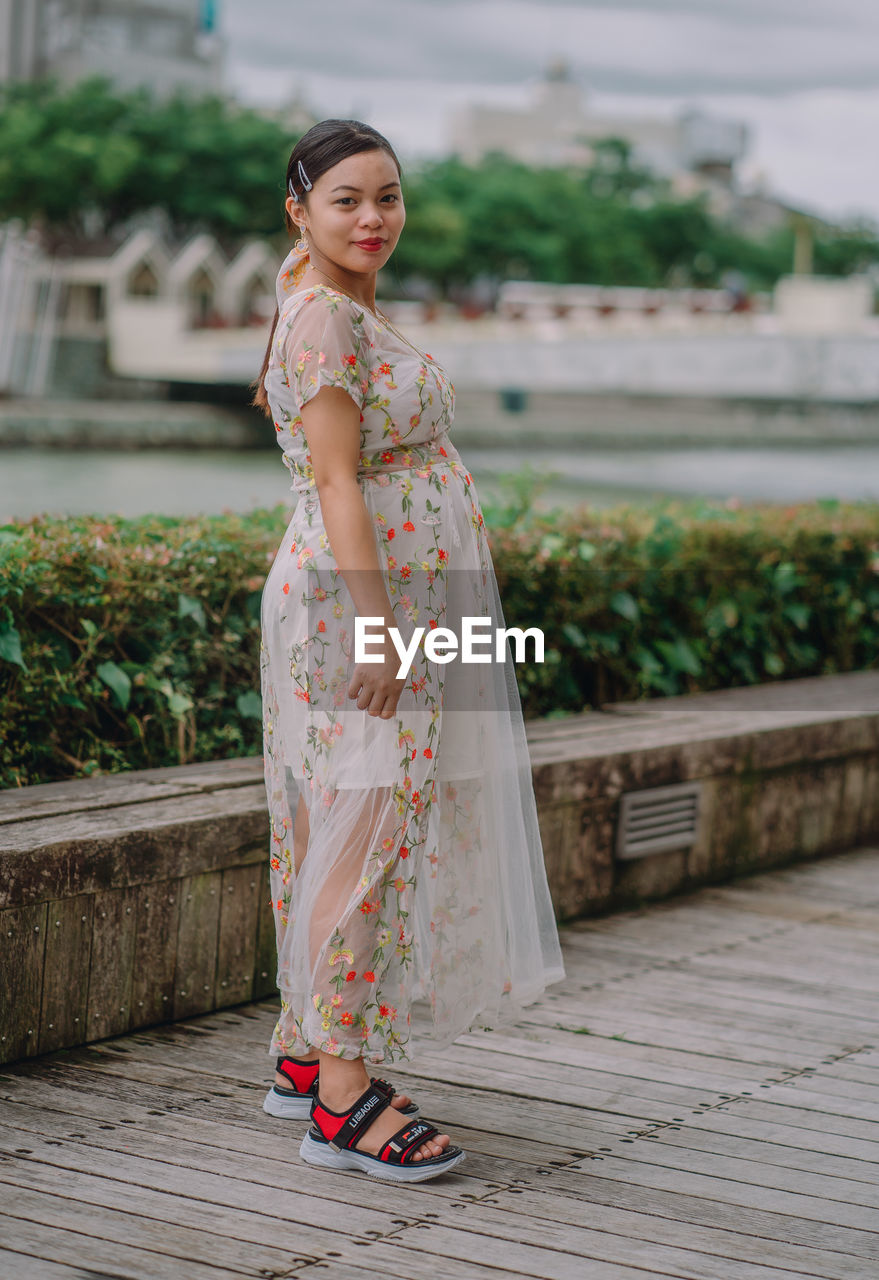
[{"x": 183, "y": 482}]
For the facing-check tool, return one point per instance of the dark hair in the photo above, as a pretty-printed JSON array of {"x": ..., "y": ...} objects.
[{"x": 318, "y": 150}]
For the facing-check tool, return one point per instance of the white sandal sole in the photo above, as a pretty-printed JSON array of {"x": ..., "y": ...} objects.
[
  {"x": 322, "y": 1154},
  {"x": 284, "y": 1108}
]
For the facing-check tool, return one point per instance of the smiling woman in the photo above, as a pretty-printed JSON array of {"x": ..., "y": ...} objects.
[{"x": 406, "y": 859}]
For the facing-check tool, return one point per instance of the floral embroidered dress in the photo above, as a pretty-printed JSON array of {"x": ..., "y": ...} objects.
[{"x": 420, "y": 907}]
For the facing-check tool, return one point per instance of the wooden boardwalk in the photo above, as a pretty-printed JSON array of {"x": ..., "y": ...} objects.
[{"x": 699, "y": 1098}]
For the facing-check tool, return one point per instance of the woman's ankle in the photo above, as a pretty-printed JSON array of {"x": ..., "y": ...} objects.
[{"x": 342, "y": 1081}]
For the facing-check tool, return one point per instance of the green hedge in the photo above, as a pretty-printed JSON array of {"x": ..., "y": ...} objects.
[{"x": 127, "y": 644}]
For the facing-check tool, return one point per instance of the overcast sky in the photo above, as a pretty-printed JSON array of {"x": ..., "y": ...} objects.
[{"x": 802, "y": 74}]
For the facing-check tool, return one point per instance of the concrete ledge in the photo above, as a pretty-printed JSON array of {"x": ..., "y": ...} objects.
[
  {"x": 785, "y": 771},
  {"x": 143, "y": 897}
]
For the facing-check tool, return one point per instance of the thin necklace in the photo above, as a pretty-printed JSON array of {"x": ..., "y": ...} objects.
[{"x": 377, "y": 313}]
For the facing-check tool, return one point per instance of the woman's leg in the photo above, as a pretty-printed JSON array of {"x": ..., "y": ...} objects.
[
  {"x": 300, "y": 848},
  {"x": 342, "y": 1081}
]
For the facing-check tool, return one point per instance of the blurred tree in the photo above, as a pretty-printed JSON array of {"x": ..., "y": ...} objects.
[
  {"x": 88, "y": 158},
  {"x": 69, "y": 155},
  {"x": 855, "y": 248}
]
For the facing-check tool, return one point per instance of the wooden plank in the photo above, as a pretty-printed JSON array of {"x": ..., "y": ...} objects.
[
  {"x": 730, "y": 1191},
  {"x": 22, "y": 949},
  {"x": 196, "y": 970},
  {"x": 27, "y": 1267},
  {"x": 634, "y": 1062},
  {"x": 720, "y": 1014},
  {"x": 718, "y": 1243},
  {"x": 767, "y": 1152},
  {"x": 112, "y": 963},
  {"x": 686, "y": 1210},
  {"x": 56, "y": 1244},
  {"x": 751, "y": 1154},
  {"x": 236, "y": 942},
  {"x": 107, "y": 791},
  {"x": 240, "y": 1107},
  {"x": 69, "y": 925},
  {"x": 683, "y": 1031},
  {"x": 513, "y": 1072},
  {"x": 856, "y": 1016},
  {"x": 128, "y": 845},
  {"x": 761, "y": 954},
  {"x": 843, "y": 1135},
  {"x": 255, "y": 1220},
  {"x": 546, "y": 1253},
  {"x": 822, "y": 1185},
  {"x": 131, "y": 1228},
  {"x": 248, "y": 1182},
  {"x": 272, "y": 1138},
  {"x": 155, "y": 952},
  {"x": 644, "y": 1061}
]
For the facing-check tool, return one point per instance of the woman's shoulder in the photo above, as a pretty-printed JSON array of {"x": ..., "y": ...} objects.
[{"x": 320, "y": 304}]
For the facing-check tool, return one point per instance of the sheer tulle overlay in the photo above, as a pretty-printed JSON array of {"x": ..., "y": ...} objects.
[{"x": 408, "y": 883}]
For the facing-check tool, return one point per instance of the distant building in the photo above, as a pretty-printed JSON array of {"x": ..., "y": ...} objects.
[
  {"x": 559, "y": 130},
  {"x": 167, "y": 45}
]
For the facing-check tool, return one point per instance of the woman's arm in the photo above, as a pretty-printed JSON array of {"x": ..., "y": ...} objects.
[{"x": 331, "y": 421}]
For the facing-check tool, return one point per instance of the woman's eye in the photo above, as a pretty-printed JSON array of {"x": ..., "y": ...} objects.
[
  {"x": 391, "y": 197},
  {"x": 345, "y": 200}
]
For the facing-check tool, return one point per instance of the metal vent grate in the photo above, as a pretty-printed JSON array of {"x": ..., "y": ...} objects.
[{"x": 661, "y": 818}]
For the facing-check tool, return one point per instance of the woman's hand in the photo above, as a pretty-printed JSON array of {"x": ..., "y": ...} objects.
[{"x": 375, "y": 686}]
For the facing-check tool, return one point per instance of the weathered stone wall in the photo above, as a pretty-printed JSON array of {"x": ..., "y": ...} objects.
[{"x": 143, "y": 897}]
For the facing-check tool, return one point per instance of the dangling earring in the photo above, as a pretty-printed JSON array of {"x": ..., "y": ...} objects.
[{"x": 301, "y": 245}]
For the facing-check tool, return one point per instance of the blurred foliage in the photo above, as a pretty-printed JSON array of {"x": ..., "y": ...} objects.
[
  {"x": 134, "y": 643},
  {"x": 683, "y": 597},
  {"x": 88, "y": 157},
  {"x": 614, "y": 223}
]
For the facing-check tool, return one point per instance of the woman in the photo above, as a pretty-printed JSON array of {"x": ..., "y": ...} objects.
[{"x": 406, "y": 860}]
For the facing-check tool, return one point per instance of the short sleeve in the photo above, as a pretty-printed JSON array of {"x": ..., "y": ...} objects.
[{"x": 325, "y": 343}]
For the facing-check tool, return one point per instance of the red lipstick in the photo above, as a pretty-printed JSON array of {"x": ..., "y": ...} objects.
[{"x": 371, "y": 246}]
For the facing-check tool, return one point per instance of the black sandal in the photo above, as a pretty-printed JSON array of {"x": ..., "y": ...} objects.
[
  {"x": 294, "y": 1103},
  {"x": 330, "y": 1141}
]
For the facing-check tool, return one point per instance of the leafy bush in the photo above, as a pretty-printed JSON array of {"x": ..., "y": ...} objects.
[
  {"x": 680, "y": 598},
  {"x": 127, "y": 644}
]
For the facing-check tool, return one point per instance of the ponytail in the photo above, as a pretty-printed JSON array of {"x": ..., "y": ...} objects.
[{"x": 260, "y": 399}]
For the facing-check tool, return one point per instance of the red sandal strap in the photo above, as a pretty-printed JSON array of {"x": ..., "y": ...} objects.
[
  {"x": 400, "y": 1148},
  {"x": 342, "y": 1128},
  {"x": 301, "y": 1075}
]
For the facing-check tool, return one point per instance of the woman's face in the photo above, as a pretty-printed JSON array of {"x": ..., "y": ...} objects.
[{"x": 354, "y": 213}]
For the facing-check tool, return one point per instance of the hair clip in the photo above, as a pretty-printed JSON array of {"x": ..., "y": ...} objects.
[{"x": 303, "y": 178}]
